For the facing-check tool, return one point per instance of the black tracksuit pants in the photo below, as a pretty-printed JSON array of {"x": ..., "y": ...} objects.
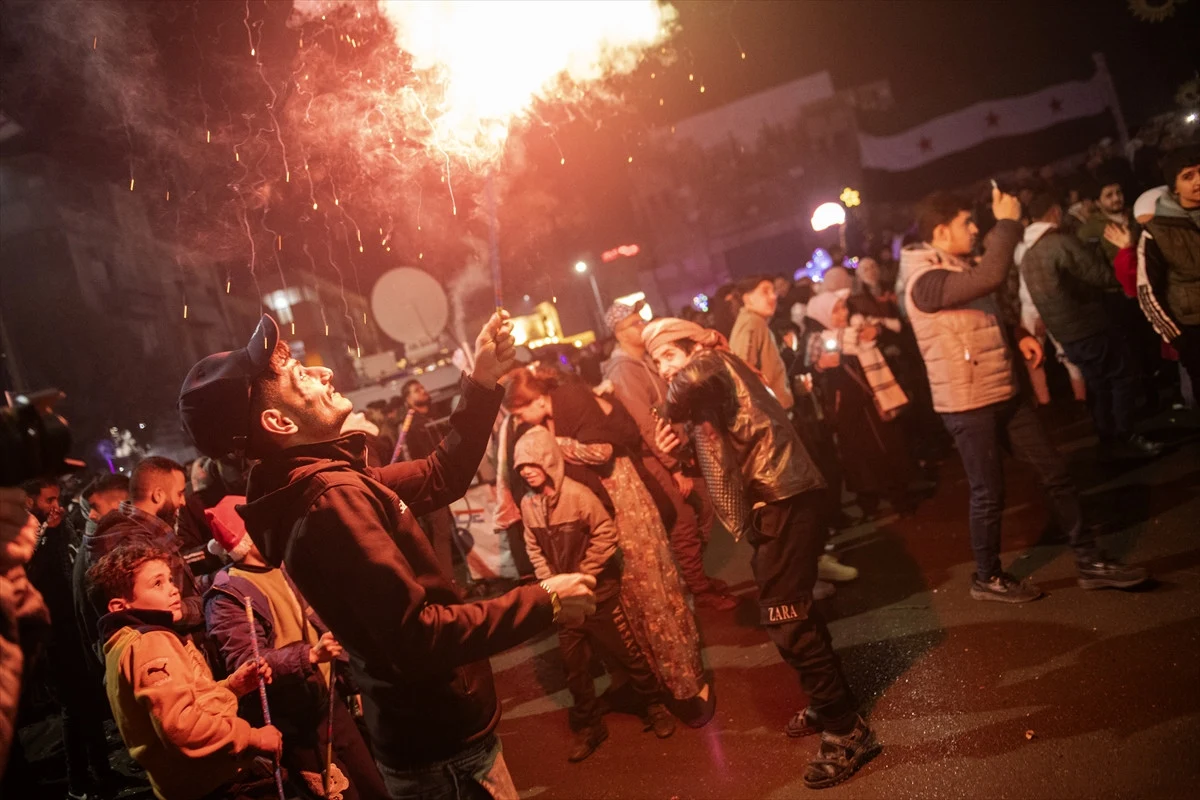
[
  {"x": 787, "y": 538},
  {"x": 607, "y": 634}
]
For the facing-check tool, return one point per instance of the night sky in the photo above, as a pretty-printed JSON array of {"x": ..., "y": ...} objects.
[{"x": 938, "y": 56}]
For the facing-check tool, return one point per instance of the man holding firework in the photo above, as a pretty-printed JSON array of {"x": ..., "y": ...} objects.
[{"x": 347, "y": 535}]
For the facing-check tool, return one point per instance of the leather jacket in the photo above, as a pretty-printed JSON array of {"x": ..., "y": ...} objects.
[{"x": 745, "y": 444}]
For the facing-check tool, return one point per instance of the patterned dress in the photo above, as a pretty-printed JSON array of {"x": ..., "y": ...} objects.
[{"x": 652, "y": 593}]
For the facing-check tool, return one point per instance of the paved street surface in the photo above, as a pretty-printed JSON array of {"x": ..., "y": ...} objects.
[{"x": 1080, "y": 694}]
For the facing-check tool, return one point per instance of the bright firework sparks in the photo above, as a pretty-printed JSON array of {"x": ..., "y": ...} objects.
[{"x": 488, "y": 61}]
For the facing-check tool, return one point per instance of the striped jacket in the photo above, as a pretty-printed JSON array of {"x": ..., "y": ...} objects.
[{"x": 1168, "y": 270}]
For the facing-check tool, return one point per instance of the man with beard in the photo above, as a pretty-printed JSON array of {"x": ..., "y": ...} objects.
[
  {"x": 346, "y": 534},
  {"x": 148, "y": 514}
]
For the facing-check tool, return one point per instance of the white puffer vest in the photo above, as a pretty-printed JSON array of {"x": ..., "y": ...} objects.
[{"x": 967, "y": 357}]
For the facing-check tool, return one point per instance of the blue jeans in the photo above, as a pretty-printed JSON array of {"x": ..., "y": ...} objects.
[
  {"x": 982, "y": 435},
  {"x": 1112, "y": 382},
  {"x": 476, "y": 773}
]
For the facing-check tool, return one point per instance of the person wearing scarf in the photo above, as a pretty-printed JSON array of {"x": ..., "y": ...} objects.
[
  {"x": 766, "y": 488},
  {"x": 862, "y": 399}
]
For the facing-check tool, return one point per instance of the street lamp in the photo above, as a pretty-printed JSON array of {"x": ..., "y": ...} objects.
[
  {"x": 829, "y": 214},
  {"x": 581, "y": 267}
]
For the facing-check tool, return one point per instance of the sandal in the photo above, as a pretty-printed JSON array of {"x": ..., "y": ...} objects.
[
  {"x": 839, "y": 757},
  {"x": 803, "y": 723}
]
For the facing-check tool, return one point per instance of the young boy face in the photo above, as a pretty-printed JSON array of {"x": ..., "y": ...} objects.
[
  {"x": 669, "y": 360},
  {"x": 153, "y": 590},
  {"x": 533, "y": 475}
]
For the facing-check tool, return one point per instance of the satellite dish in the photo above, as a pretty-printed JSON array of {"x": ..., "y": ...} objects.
[{"x": 410, "y": 306}]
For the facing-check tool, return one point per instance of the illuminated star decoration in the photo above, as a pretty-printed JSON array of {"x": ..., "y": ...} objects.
[{"x": 850, "y": 197}]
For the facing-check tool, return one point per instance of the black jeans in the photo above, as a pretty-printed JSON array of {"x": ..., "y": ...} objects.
[
  {"x": 982, "y": 436},
  {"x": 607, "y": 634},
  {"x": 787, "y": 538},
  {"x": 1112, "y": 381}
]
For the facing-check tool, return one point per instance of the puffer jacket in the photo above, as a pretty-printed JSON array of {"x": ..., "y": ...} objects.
[
  {"x": 967, "y": 357},
  {"x": 178, "y": 723},
  {"x": 1067, "y": 281},
  {"x": 1168, "y": 269},
  {"x": 745, "y": 444},
  {"x": 297, "y": 689},
  {"x": 567, "y": 528}
]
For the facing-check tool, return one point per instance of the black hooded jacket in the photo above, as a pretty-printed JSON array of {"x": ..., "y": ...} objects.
[{"x": 349, "y": 539}]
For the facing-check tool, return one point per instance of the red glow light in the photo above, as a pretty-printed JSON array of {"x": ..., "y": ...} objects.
[{"x": 624, "y": 251}]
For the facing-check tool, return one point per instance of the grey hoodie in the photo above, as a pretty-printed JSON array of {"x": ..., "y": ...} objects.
[{"x": 639, "y": 388}]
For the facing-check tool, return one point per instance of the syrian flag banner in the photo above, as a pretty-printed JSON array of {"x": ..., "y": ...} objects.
[{"x": 986, "y": 138}]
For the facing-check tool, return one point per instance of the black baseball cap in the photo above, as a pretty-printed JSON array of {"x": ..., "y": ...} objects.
[{"x": 214, "y": 401}]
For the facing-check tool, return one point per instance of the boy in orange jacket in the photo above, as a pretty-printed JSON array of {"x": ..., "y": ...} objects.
[{"x": 177, "y": 721}]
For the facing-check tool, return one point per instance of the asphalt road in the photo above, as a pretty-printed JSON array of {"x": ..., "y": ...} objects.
[{"x": 1078, "y": 695}]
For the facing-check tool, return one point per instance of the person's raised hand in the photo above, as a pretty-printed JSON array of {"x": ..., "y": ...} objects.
[
  {"x": 1032, "y": 351},
  {"x": 18, "y": 529},
  {"x": 495, "y": 349},
  {"x": 869, "y": 333},
  {"x": 1119, "y": 236},
  {"x": 325, "y": 650},
  {"x": 575, "y": 596},
  {"x": 1005, "y": 206},
  {"x": 245, "y": 678},
  {"x": 665, "y": 438}
]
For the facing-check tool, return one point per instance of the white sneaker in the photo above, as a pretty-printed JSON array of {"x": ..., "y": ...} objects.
[
  {"x": 823, "y": 590},
  {"x": 830, "y": 569}
]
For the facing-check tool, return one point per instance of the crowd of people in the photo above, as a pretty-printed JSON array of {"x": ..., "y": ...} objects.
[{"x": 281, "y": 615}]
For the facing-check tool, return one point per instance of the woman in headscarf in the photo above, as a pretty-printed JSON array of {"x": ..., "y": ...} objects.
[
  {"x": 598, "y": 443},
  {"x": 861, "y": 397}
]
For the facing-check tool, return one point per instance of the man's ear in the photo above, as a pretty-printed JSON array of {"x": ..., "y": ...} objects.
[
  {"x": 158, "y": 495},
  {"x": 117, "y": 604},
  {"x": 274, "y": 421}
]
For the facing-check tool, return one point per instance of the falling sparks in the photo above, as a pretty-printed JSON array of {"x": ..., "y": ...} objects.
[
  {"x": 208, "y": 137},
  {"x": 131, "y": 184},
  {"x": 185, "y": 310},
  {"x": 94, "y": 40},
  {"x": 702, "y": 89}
]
